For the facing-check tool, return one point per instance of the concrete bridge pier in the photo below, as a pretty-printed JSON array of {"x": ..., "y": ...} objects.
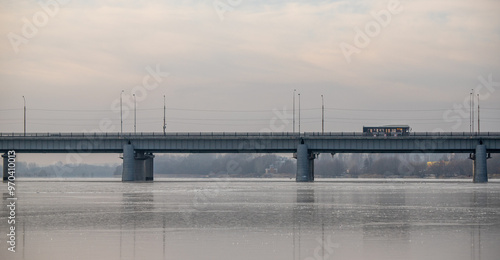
[
  {"x": 148, "y": 167},
  {"x": 143, "y": 166},
  {"x": 137, "y": 165},
  {"x": 5, "y": 167},
  {"x": 128, "y": 173},
  {"x": 305, "y": 164},
  {"x": 480, "y": 172}
]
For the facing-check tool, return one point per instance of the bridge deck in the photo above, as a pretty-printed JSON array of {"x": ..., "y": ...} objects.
[{"x": 269, "y": 142}]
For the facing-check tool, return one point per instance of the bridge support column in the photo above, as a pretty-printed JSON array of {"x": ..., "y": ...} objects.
[
  {"x": 139, "y": 173},
  {"x": 305, "y": 164},
  {"x": 5, "y": 167},
  {"x": 143, "y": 166},
  {"x": 148, "y": 167},
  {"x": 128, "y": 173},
  {"x": 311, "y": 158},
  {"x": 480, "y": 172}
]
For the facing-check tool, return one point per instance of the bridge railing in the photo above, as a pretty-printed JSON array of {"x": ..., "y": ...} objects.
[
  {"x": 237, "y": 134},
  {"x": 150, "y": 134},
  {"x": 409, "y": 134}
]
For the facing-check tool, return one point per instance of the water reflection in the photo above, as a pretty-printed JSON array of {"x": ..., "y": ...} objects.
[
  {"x": 303, "y": 213},
  {"x": 256, "y": 220},
  {"x": 479, "y": 200},
  {"x": 305, "y": 197},
  {"x": 137, "y": 210},
  {"x": 386, "y": 223}
]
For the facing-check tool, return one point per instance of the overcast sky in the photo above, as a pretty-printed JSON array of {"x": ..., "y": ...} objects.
[{"x": 227, "y": 65}]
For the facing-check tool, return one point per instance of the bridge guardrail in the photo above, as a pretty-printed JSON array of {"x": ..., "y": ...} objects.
[
  {"x": 237, "y": 134},
  {"x": 149, "y": 134},
  {"x": 409, "y": 134}
]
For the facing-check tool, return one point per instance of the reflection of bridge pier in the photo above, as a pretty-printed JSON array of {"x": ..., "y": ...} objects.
[
  {"x": 304, "y": 213},
  {"x": 479, "y": 200},
  {"x": 136, "y": 209}
]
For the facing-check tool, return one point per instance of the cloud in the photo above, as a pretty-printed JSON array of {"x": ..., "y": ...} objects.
[{"x": 430, "y": 53}]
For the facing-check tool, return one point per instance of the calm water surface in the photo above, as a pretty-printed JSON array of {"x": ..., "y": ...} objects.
[{"x": 248, "y": 219}]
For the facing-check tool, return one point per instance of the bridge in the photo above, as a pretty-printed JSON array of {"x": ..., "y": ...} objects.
[{"x": 138, "y": 149}]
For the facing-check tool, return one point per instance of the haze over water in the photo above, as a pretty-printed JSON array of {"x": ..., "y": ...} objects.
[{"x": 256, "y": 219}]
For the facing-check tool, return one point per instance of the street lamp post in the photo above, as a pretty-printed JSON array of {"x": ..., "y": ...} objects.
[
  {"x": 294, "y": 110},
  {"x": 121, "y": 113},
  {"x": 164, "y": 112},
  {"x": 299, "y": 113},
  {"x": 470, "y": 113},
  {"x": 322, "y": 115},
  {"x": 135, "y": 115},
  {"x": 478, "y": 117},
  {"x": 24, "y": 115},
  {"x": 472, "y": 110}
]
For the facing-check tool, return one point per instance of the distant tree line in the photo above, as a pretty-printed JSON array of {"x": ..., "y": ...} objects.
[
  {"x": 232, "y": 165},
  {"x": 60, "y": 170},
  {"x": 403, "y": 165}
]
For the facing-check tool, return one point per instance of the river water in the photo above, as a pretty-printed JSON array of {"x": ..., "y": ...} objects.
[{"x": 254, "y": 219}]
